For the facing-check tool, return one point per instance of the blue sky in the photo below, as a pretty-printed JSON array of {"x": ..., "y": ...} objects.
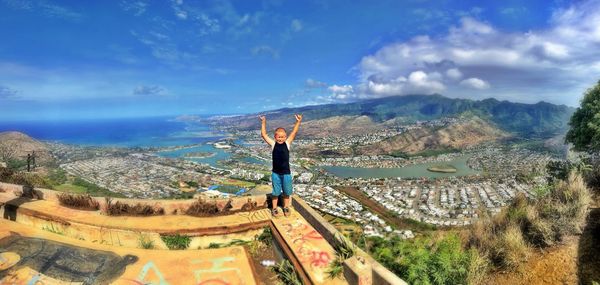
[{"x": 89, "y": 59}]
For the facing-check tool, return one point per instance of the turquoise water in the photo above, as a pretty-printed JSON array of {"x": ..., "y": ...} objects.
[
  {"x": 131, "y": 132},
  {"x": 255, "y": 160},
  {"x": 412, "y": 171},
  {"x": 220, "y": 155}
]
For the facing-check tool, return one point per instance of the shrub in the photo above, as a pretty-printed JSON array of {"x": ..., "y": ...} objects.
[
  {"x": 287, "y": 273},
  {"x": 478, "y": 267},
  {"x": 176, "y": 242},
  {"x": 201, "y": 208},
  {"x": 429, "y": 261},
  {"x": 94, "y": 189},
  {"x": 500, "y": 238},
  {"x": 123, "y": 209},
  {"x": 57, "y": 176},
  {"x": 249, "y": 205},
  {"x": 266, "y": 236},
  {"x": 215, "y": 245},
  {"x": 592, "y": 177},
  {"x": 145, "y": 242},
  {"x": 78, "y": 201},
  {"x": 509, "y": 249},
  {"x": 537, "y": 231},
  {"x": 344, "y": 249}
]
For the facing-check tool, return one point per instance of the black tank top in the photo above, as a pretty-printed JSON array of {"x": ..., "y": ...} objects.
[{"x": 281, "y": 158}]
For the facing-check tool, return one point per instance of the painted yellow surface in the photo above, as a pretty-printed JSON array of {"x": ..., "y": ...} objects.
[
  {"x": 8, "y": 259},
  {"x": 210, "y": 266},
  {"x": 119, "y": 237},
  {"x": 310, "y": 248}
]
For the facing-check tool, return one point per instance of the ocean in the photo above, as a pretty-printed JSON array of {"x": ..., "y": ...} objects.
[{"x": 131, "y": 132}]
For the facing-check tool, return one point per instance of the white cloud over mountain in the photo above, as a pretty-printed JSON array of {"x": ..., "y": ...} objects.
[{"x": 476, "y": 60}]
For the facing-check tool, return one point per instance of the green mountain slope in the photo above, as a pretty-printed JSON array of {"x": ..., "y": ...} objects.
[{"x": 539, "y": 120}]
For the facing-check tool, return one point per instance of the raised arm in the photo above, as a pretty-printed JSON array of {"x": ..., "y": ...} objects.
[
  {"x": 292, "y": 136},
  {"x": 263, "y": 131}
]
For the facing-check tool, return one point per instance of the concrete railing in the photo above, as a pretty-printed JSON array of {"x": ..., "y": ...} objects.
[
  {"x": 360, "y": 269},
  {"x": 171, "y": 207}
]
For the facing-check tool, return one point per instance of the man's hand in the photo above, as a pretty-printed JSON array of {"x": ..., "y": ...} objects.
[
  {"x": 263, "y": 119},
  {"x": 298, "y": 117}
]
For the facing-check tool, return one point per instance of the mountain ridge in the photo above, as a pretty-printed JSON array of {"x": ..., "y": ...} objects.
[{"x": 541, "y": 119}]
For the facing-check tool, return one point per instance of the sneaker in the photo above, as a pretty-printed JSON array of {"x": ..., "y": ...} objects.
[
  {"x": 287, "y": 212},
  {"x": 275, "y": 212}
]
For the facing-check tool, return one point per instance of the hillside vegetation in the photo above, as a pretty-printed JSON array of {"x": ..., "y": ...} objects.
[
  {"x": 455, "y": 136},
  {"x": 14, "y": 147}
]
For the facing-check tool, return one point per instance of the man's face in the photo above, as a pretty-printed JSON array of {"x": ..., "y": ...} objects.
[{"x": 280, "y": 136}]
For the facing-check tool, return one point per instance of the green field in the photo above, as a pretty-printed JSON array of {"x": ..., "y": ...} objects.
[{"x": 67, "y": 187}]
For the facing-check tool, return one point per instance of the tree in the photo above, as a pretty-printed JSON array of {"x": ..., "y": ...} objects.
[
  {"x": 7, "y": 151},
  {"x": 585, "y": 123}
]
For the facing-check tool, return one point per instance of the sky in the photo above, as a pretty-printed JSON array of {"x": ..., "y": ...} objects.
[{"x": 113, "y": 59}]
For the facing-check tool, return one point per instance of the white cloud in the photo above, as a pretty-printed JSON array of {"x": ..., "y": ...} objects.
[
  {"x": 420, "y": 81},
  {"x": 149, "y": 90},
  {"x": 7, "y": 92},
  {"x": 312, "y": 83},
  {"x": 454, "y": 73},
  {"x": 514, "y": 11},
  {"x": 342, "y": 92},
  {"x": 45, "y": 8},
  {"x": 211, "y": 25},
  {"x": 554, "y": 64},
  {"x": 475, "y": 83},
  {"x": 137, "y": 8},
  {"x": 265, "y": 49},
  {"x": 340, "y": 88},
  {"x": 296, "y": 25}
]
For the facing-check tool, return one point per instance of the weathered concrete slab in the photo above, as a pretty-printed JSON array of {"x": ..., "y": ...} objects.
[
  {"x": 308, "y": 246},
  {"x": 29, "y": 255}
]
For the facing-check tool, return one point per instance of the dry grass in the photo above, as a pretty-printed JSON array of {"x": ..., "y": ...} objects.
[
  {"x": 249, "y": 205},
  {"x": 500, "y": 239},
  {"x": 139, "y": 209},
  {"x": 202, "y": 208},
  {"x": 78, "y": 201},
  {"x": 506, "y": 238},
  {"x": 478, "y": 268},
  {"x": 510, "y": 249}
]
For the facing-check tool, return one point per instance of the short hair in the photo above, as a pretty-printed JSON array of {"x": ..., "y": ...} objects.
[{"x": 279, "y": 130}]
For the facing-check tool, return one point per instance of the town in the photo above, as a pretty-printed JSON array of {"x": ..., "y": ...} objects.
[{"x": 443, "y": 202}]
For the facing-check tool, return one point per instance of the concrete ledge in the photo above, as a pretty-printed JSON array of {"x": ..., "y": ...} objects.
[
  {"x": 41, "y": 213},
  {"x": 171, "y": 207},
  {"x": 354, "y": 270},
  {"x": 57, "y": 259},
  {"x": 382, "y": 276},
  {"x": 287, "y": 251}
]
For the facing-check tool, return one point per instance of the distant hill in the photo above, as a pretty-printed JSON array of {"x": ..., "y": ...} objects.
[
  {"x": 527, "y": 120},
  {"x": 23, "y": 144},
  {"x": 459, "y": 135}
]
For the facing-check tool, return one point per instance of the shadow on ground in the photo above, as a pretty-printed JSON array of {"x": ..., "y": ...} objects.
[{"x": 589, "y": 250}]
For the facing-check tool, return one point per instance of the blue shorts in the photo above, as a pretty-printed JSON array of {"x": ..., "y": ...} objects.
[{"x": 281, "y": 182}]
